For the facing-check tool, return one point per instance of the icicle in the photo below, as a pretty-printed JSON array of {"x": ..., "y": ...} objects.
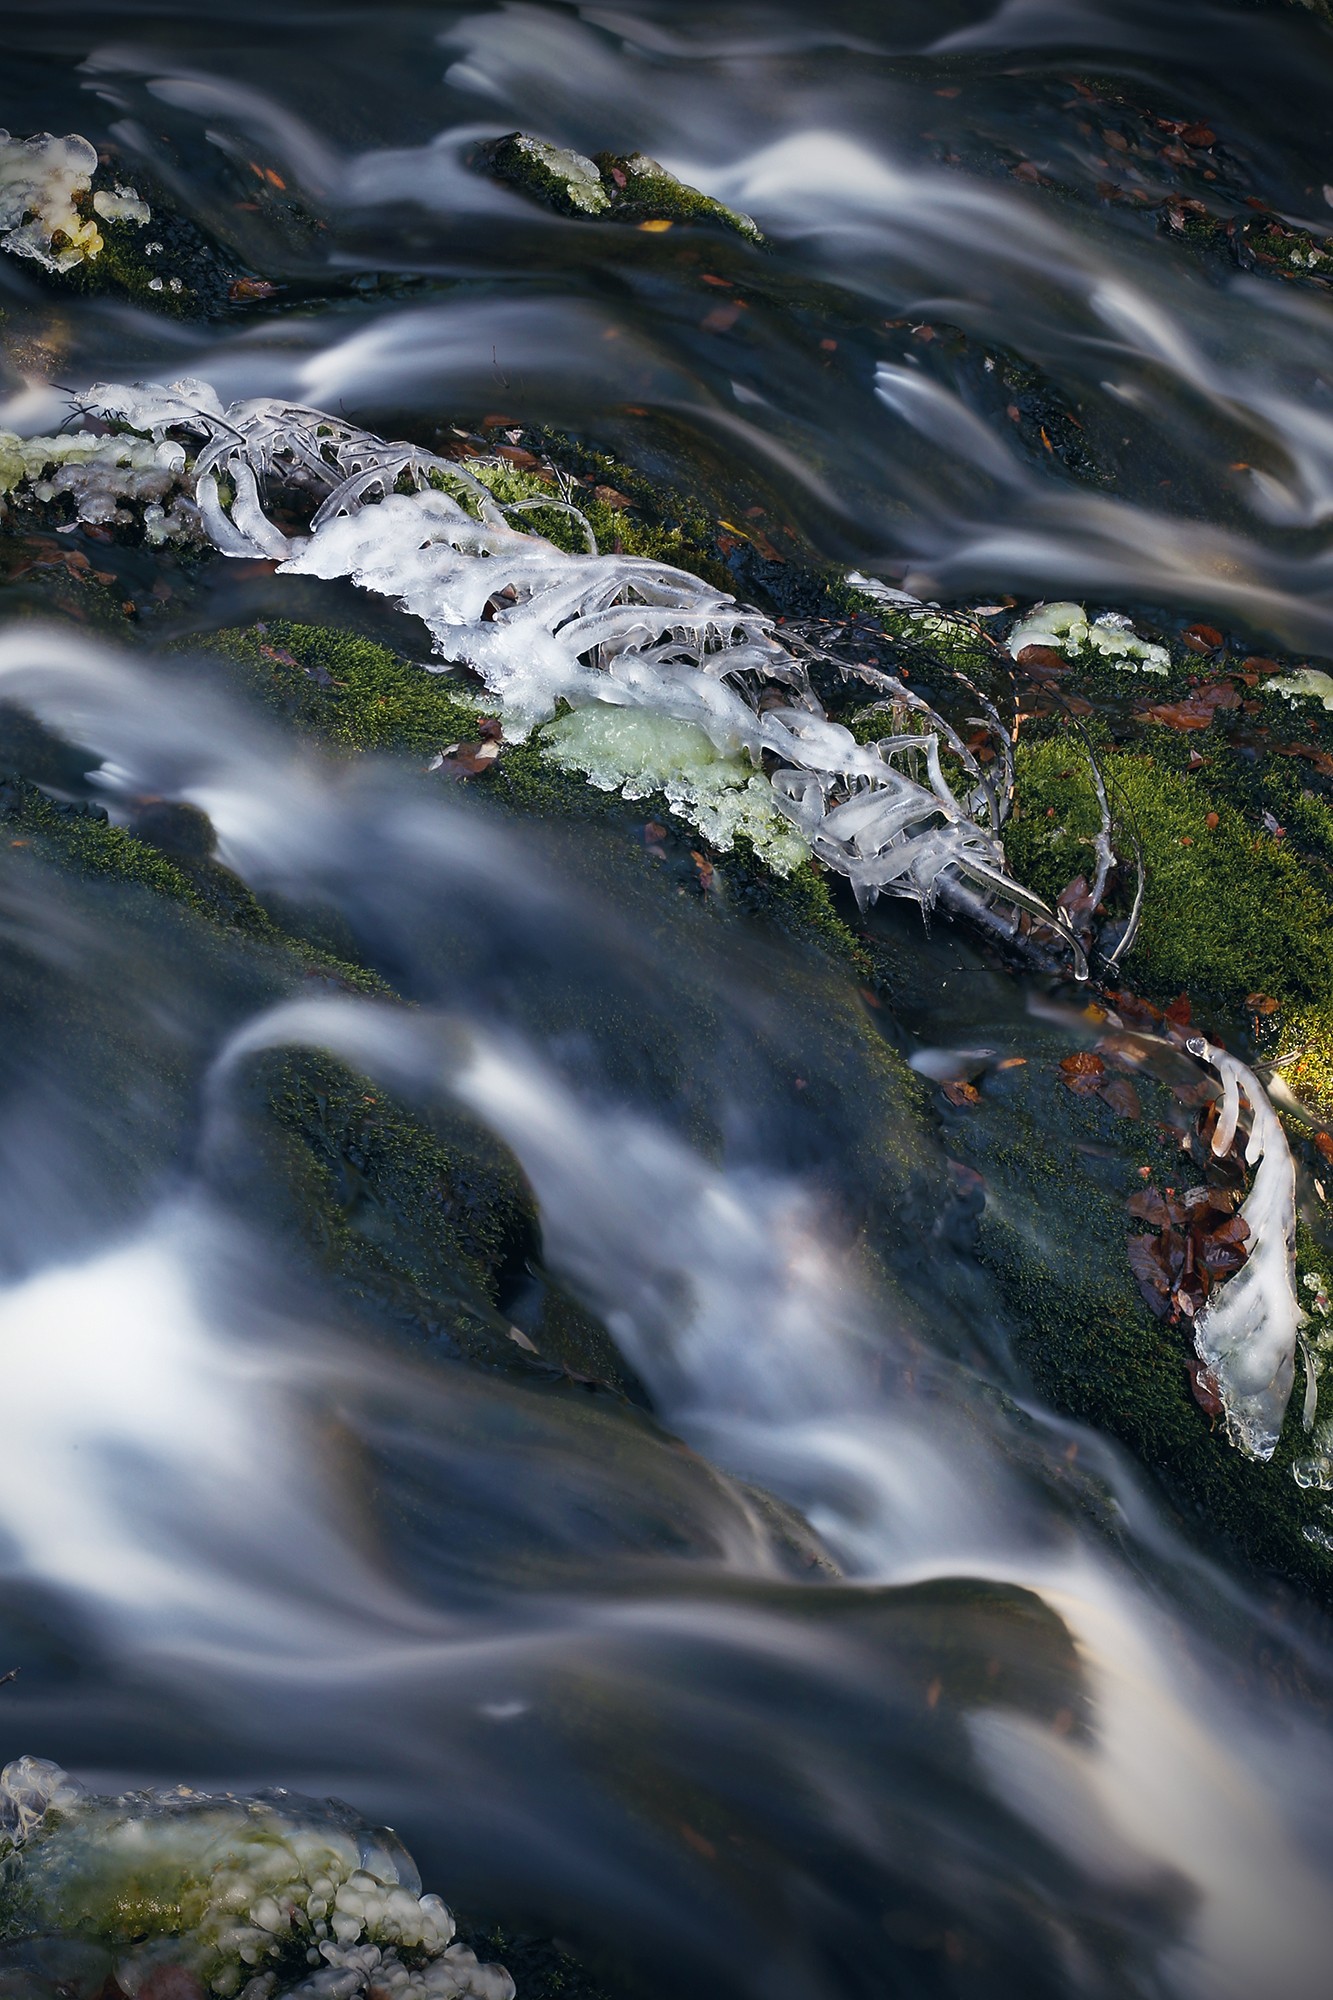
[{"x": 1246, "y": 1334}]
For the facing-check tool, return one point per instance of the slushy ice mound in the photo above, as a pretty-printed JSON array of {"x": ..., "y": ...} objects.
[{"x": 178, "y": 1895}]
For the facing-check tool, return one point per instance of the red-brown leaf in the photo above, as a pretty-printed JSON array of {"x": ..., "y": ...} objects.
[
  {"x": 1203, "y": 1387},
  {"x": 1042, "y": 663},
  {"x": 1122, "y": 1097},
  {"x": 1082, "y": 1073},
  {"x": 1150, "y": 1206},
  {"x": 1196, "y": 711},
  {"x": 1143, "y": 1261}
]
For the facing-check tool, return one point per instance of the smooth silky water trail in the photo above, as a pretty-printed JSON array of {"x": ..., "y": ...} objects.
[{"x": 824, "y": 1660}]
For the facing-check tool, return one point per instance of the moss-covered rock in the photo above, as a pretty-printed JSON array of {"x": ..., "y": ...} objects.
[{"x": 628, "y": 188}]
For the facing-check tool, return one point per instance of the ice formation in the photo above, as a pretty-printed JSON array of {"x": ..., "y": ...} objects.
[
  {"x": 104, "y": 477},
  {"x": 42, "y": 182},
  {"x": 574, "y": 172},
  {"x": 41, "y": 179},
  {"x": 540, "y": 626},
  {"x": 637, "y": 752},
  {"x": 123, "y": 204},
  {"x": 1308, "y": 681},
  {"x": 256, "y": 1897},
  {"x": 1066, "y": 628},
  {"x": 1246, "y": 1334}
]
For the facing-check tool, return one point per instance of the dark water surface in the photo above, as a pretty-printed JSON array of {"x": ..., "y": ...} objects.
[{"x": 959, "y": 1712}]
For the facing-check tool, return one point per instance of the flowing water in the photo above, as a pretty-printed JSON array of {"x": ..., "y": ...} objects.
[{"x": 826, "y": 1661}]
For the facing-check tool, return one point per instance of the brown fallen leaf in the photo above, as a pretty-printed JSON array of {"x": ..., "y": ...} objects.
[
  {"x": 1320, "y": 759},
  {"x": 1196, "y": 711},
  {"x": 961, "y": 1093},
  {"x": 1122, "y": 1097},
  {"x": 1203, "y": 1386},
  {"x": 470, "y": 760},
  {"x": 1042, "y": 663},
  {"x": 1082, "y": 1072},
  {"x": 1148, "y": 1274},
  {"x": 250, "y": 288},
  {"x": 1261, "y": 1003},
  {"x": 1223, "y": 1250},
  {"x": 1075, "y": 899},
  {"x": 1131, "y": 1009},
  {"x": 1150, "y": 1205}
]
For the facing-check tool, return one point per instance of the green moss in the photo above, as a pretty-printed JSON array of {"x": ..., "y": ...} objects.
[
  {"x": 949, "y": 637},
  {"x": 186, "y": 275},
  {"x": 419, "y": 1223},
  {"x": 347, "y": 691},
  {"x": 1273, "y": 247},
  {"x": 625, "y": 188},
  {"x": 642, "y": 191},
  {"x": 686, "y": 542},
  {"x": 1229, "y": 909}
]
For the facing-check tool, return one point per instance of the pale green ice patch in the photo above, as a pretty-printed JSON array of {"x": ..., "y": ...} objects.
[{"x": 639, "y": 751}]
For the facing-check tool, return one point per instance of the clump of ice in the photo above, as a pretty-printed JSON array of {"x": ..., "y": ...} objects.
[
  {"x": 1246, "y": 1334},
  {"x": 255, "y": 1897},
  {"x": 1308, "y": 682},
  {"x": 123, "y": 204},
  {"x": 1315, "y": 1471},
  {"x": 30, "y": 1788},
  {"x": 637, "y": 752},
  {"x": 105, "y": 478},
  {"x": 575, "y": 172},
  {"x": 541, "y": 626},
  {"x": 1066, "y": 628},
  {"x": 41, "y": 181}
]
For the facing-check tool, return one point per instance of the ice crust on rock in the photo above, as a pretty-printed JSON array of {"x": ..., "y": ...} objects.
[
  {"x": 42, "y": 181},
  {"x": 1066, "y": 628},
  {"x": 541, "y": 627},
  {"x": 1246, "y": 1334},
  {"x": 575, "y": 172},
  {"x": 105, "y": 477},
  {"x": 123, "y": 204},
  {"x": 256, "y": 1897},
  {"x": 1309, "y": 682},
  {"x": 637, "y": 752}
]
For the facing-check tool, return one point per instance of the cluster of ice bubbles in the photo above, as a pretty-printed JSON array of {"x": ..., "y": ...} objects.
[
  {"x": 1315, "y": 1471},
  {"x": 233, "y": 1896}
]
